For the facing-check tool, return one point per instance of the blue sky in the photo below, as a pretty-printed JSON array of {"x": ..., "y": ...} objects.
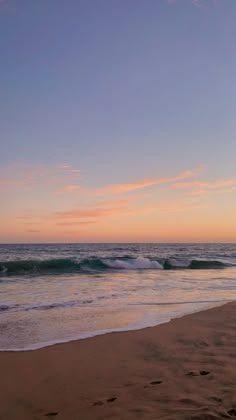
[{"x": 121, "y": 89}]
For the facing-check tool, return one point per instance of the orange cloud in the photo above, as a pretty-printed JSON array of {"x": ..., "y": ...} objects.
[
  {"x": 170, "y": 206},
  {"x": 206, "y": 184},
  {"x": 147, "y": 182},
  {"x": 98, "y": 211},
  {"x": 90, "y": 222},
  {"x": 207, "y": 187}
]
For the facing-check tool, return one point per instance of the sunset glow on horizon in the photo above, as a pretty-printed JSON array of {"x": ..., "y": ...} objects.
[{"x": 118, "y": 121}]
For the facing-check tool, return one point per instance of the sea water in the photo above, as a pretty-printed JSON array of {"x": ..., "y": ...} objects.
[{"x": 51, "y": 293}]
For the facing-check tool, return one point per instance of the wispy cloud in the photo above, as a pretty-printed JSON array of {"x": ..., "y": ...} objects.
[
  {"x": 99, "y": 211},
  {"x": 83, "y": 223},
  {"x": 207, "y": 187},
  {"x": 68, "y": 169},
  {"x": 144, "y": 183},
  {"x": 96, "y": 211},
  {"x": 207, "y": 184},
  {"x": 172, "y": 206},
  {"x": 19, "y": 175}
]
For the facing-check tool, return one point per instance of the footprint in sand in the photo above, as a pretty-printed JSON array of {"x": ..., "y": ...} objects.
[
  {"x": 155, "y": 382},
  {"x": 109, "y": 400},
  {"x": 98, "y": 403},
  {"x": 198, "y": 373},
  {"x": 193, "y": 373},
  {"x": 204, "y": 372}
]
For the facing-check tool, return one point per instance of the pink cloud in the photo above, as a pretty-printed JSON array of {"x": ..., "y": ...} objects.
[
  {"x": 171, "y": 206},
  {"x": 212, "y": 192},
  {"x": 92, "y": 215},
  {"x": 70, "y": 170},
  {"x": 147, "y": 182},
  {"x": 127, "y": 187},
  {"x": 87, "y": 213},
  {"x": 206, "y": 185},
  {"x": 84, "y": 223},
  {"x": 18, "y": 175},
  {"x": 95, "y": 211}
]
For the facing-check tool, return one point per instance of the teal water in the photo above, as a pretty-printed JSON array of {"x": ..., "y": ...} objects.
[{"x": 60, "y": 292}]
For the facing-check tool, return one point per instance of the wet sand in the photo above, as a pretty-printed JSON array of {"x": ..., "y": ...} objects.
[{"x": 185, "y": 369}]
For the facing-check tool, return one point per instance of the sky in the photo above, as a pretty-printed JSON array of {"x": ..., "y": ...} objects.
[{"x": 117, "y": 121}]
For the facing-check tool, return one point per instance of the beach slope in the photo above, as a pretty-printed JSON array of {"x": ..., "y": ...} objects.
[{"x": 185, "y": 369}]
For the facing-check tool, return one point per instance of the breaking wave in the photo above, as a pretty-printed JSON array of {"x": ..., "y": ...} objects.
[{"x": 70, "y": 266}]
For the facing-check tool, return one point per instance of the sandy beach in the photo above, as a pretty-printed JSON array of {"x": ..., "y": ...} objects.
[{"x": 185, "y": 369}]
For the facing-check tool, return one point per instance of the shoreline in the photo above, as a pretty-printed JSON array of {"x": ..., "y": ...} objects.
[
  {"x": 183, "y": 369},
  {"x": 98, "y": 333}
]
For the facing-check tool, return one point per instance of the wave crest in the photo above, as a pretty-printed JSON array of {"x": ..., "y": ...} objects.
[
  {"x": 70, "y": 266},
  {"x": 140, "y": 263}
]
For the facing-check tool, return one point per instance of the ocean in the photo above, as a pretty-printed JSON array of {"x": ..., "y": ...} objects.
[{"x": 52, "y": 293}]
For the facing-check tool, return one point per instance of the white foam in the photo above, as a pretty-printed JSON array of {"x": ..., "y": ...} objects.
[
  {"x": 176, "y": 263},
  {"x": 147, "y": 322},
  {"x": 137, "y": 263}
]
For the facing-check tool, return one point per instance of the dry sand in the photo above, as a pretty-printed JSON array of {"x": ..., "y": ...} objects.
[{"x": 185, "y": 369}]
